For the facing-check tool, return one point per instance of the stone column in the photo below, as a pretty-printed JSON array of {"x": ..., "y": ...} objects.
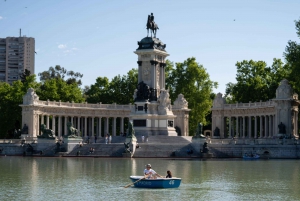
[
  {"x": 260, "y": 126},
  {"x": 53, "y": 124},
  {"x": 59, "y": 126},
  {"x": 65, "y": 130},
  {"x": 269, "y": 133},
  {"x": 107, "y": 125},
  {"x": 38, "y": 124},
  {"x": 99, "y": 127},
  {"x": 237, "y": 127},
  {"x": 229, "y": 134},
  {"x": 85, "y": 126},
  {"x": 114, "y": 126},
  {"x": 249, "y": 127},
  {"x": 42, "y": 119},
  {"x": 48, "y": 120},
  {"x": 244, "y": 126},
  {"x": 266, "y": 126},
  {"x": 255, "y": 127},
  {"x": 78, "y": 123},
  {"x": 72, "y": 122},
  {"x": 93, "y": 127}
]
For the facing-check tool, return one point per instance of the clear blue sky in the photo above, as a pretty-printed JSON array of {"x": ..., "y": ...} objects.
[{"x": 97, "y": 38}]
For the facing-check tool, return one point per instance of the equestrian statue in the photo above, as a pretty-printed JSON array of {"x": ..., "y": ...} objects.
[{"x": 151, "y": 25}]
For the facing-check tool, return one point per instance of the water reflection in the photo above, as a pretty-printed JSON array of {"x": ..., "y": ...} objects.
[{"x": 104, "y": 178}]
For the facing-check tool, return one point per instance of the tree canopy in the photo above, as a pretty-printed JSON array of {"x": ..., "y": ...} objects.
[
  {"x": 191, "y": 79},
  {"x": 59, "y": 72},
  {"x": 256, "y": 76},
  {"x": 119, "y": 90}
]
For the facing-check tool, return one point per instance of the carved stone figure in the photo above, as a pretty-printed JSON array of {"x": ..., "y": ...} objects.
[
  {"x": 164, "y": 102},
  {"x": 46, "y": 133},
  {"x": 180, "y": 102},
  {"x": 24, "y": 129},
  {"x": 281, "y": 128},
  {"x": 72, "y": 132}
]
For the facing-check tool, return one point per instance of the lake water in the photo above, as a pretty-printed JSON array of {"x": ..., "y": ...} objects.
[{"x": 29, "y": 178}]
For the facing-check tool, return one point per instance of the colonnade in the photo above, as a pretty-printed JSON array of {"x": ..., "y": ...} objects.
[
  {"x": 86, "y": 125},
  {"x": 261, "y": 126}
]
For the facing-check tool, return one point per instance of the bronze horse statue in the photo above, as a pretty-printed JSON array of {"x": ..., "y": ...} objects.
[{"x": 151, "y": 25}]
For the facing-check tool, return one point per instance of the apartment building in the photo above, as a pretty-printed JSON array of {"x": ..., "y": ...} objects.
[{"x": 16, "y": 55}]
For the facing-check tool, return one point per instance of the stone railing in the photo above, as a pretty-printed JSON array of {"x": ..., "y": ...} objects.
[
  {"x": 83, "y": 105},
  {"x": 249, "y": 105}
]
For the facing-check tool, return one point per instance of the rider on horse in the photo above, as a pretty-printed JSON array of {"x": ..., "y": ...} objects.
[{"x": 151, "y": 24}]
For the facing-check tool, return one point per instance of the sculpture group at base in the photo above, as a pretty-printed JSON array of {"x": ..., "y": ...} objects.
[
  {"x": 72, "y": 132},
  {"x": 46, "y": 133}
]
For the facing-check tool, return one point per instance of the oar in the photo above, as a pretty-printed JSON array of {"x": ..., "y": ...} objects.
[{"x": 134, "y": 182}]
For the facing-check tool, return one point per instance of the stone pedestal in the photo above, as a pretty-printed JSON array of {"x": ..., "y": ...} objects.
[
  {"x": 71, "y": 143},
  {"x": 44, "y": 143}
]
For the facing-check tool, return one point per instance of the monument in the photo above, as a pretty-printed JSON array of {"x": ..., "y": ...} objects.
[{"x": 152, "y": 112}]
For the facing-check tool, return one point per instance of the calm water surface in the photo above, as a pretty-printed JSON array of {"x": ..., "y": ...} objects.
[{"x": 103, "y": 179}]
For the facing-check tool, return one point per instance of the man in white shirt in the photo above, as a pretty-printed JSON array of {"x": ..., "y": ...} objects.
[{"x": 150, "y": 173}]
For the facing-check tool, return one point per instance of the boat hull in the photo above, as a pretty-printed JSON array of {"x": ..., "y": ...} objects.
[{"x": 156, "y": 183}]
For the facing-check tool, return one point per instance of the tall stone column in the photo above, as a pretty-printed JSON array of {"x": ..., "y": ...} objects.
[
  {"x": 260, "y": 126},
  {"x": 107, "y": 125},
  {"x": 42, "y": 119},
  {"x": 99, "y": 127},
  {"x": 78, "y": 123},
  {"x": 237, "y": 127},
  {"x": 243, "y": 126},
  {"x": 48, "y": 124},
  {"x": 255, "y": 127},
  {"x": 59, "y": 126},
  {"x": 93, "y": 127},
  {"x": 266, "y": 126},
  {"x": 66, "y": 127},
  {"x": 249, "y": 127},
  {"x": 72, "y": 122},
  {"x": 114, "y": 126},
  {"x": 270, "y": 128},
  {"x": 85, "y": 126},
  {"x": 53, "y": 124}
]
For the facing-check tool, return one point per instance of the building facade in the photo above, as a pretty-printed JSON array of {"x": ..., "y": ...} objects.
[
  {"x": 16, "y": 55},
  {"x": 275, "y": 118}
]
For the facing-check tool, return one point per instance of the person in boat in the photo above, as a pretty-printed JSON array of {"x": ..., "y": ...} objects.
[
  {"x": 169, "y": 174},
  {"x": 149, "y": 173}
]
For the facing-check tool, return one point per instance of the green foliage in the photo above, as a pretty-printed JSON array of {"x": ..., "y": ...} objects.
[
  {"x": 292, "y": 57},
  {"x": 59, "y": 90},
  {"x": 11, "y": 96},
  {"x": 191, "y": 79},
  {"x": 256, "y": 76},
  {"x": 119, "y": 90},
  {"x": 59, "y": 72}
]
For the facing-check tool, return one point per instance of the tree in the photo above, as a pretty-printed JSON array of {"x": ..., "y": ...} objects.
[
  {"x": 292, "y": 57},
  {"x": 24, "y": 75},
  {"x": 192, "y": 80},
  {"x": 11, "y": 98},
  {"x": 59, "y": 90},
  {"x": 60, "y": 72},
  {"x": 119, "y": 90},
  {"x": 256, "y": 76}
]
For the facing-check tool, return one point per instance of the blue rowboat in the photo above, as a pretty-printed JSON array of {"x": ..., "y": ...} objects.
[{"x": 156, "y": 183}]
